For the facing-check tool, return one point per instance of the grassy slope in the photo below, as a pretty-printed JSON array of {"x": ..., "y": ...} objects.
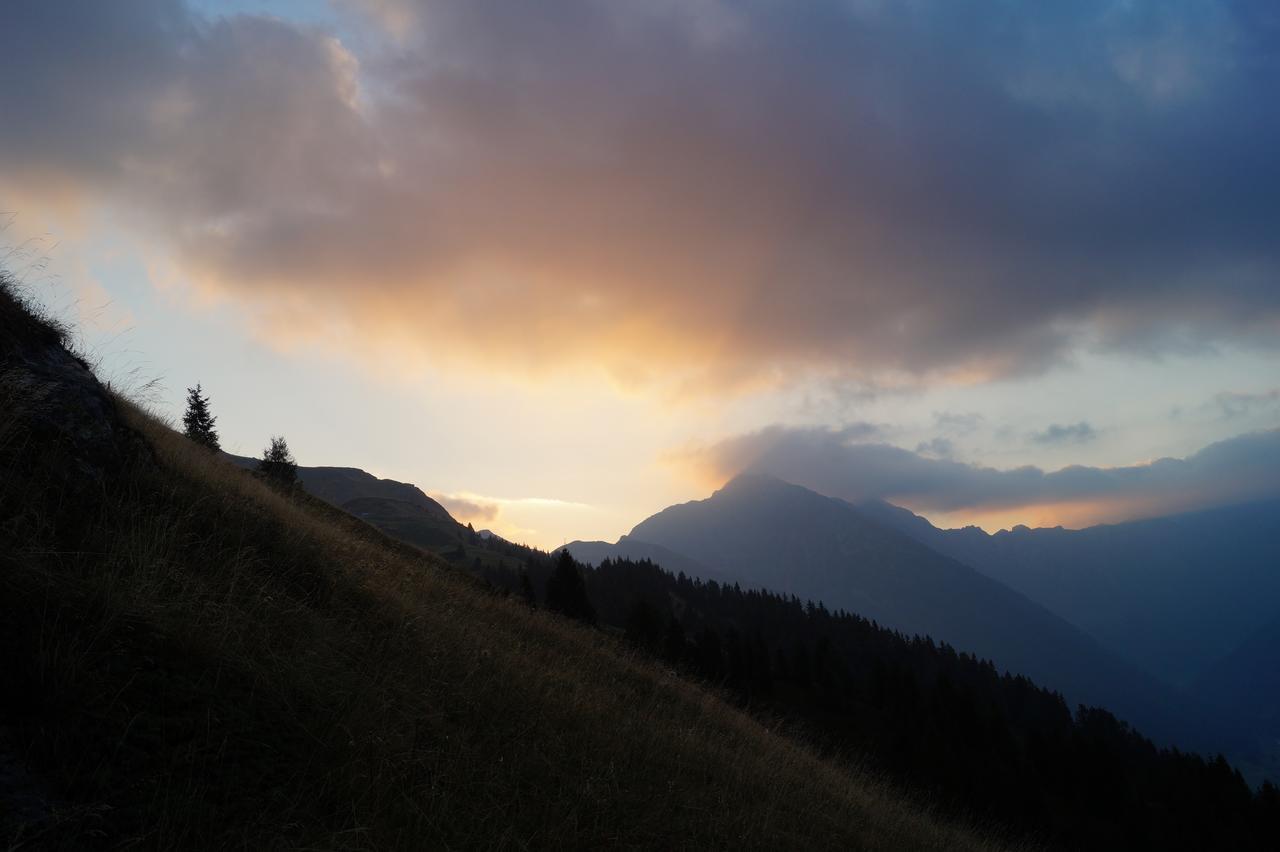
[{"x": 196, "y": 660}]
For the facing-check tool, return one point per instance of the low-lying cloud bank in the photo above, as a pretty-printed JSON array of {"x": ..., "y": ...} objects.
[
  {"x": 1239, "y": 469},
  {"x": 725, "y": 189},
  {"x": 468, "y": 508}
]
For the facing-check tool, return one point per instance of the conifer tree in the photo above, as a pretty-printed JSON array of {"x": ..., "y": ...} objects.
[
  {"x": 643, "y": 624},
  {"x": 278, "y": 464},
  {"x": 566, "y": 591},
  {"x": 198, "y": 422},
  {"x": 526, "y": 589},
  {"x": 673, "y": 643}
]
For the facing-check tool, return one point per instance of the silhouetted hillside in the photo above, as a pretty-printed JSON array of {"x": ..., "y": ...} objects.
[{"x": 341, "y": 485}]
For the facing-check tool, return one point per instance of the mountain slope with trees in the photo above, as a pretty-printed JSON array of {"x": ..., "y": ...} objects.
[
  {"x": 1192, "y": 598},
  {"x": 936, "y": 720},
  {"x": 943, "y": 721},
  {"x": 766, "y": 533}
]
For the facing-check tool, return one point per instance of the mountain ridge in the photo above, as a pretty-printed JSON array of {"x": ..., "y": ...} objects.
[
  {"x": 766, "y": 533},
  {"x": 1173, "y": 594},
  {"x": 338, "y": 485}
]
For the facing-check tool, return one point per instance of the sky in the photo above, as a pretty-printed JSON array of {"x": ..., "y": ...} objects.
[{"x": 563, "y": 264}]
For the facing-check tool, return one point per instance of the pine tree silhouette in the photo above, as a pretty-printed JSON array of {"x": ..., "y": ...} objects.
[
  {"x": 526, "y": 589},
  {"x": 566, "y": 591},
  {"x": 674, "y": 646},
  {"x": 643, "y": 625},
  {"x": 278, "y": 464},
  {"x": 198, "y": 422}
]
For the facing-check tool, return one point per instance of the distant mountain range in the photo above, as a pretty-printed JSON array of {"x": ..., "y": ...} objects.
[
  {"x": 884, "y": 563},
  {"x": 1192, "y": 598},
  {"x": 1174, "y": 595},
  {"x": 1106, "y": 615}
]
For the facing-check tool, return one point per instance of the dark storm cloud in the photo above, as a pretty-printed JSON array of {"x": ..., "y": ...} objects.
[
  {"x": 726, "y": 188},
  {"x": 1236, "y": 470}
]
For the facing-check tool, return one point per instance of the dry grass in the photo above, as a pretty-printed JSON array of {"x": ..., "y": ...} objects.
[
  {"x": 23, "y": 318},
  {"x": 223, "y": 666}
]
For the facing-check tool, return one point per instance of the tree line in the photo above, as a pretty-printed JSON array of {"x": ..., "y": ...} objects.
[
  {"x": 967, "y": 738},
  {"x": 277, "y": 465}
]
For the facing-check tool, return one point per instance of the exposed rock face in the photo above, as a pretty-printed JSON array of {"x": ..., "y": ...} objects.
[
  {"x": 62, "y": 444},
  {"x": 61, "y": 435}
]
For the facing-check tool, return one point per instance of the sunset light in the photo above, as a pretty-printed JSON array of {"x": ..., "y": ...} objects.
[{"x": 763, "y": 297}]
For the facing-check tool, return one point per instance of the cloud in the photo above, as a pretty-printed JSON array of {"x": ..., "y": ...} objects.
[
  {"x": 724, "y": 191},
  {"x": 1074, "y": 433},
  {"x": 1243, "y": 468},
  {"x": 958, "y": 423},
  {"x": 861, "y": 430},
  {"x": 398, "y": 18},
  {"x": 939, "y": 448},
  {"x": 481, "y": 507},
  {"x": 1233, "y": 404},
  {"x": 468, "y": 508}
]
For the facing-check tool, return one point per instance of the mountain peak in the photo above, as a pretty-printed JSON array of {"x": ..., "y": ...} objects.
[
  {"x": 750, "y": 479},
  {"x": 766, "y": 533},
  {"x": 753, "y": 483}
]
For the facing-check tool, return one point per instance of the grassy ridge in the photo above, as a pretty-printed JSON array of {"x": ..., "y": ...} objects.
[{"x": 196, "y": 660}]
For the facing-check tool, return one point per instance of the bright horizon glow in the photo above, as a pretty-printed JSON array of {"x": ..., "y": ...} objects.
[{"x": 450, "y": 432}]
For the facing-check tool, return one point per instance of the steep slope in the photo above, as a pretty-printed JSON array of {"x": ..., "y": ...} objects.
[
  {"x": 767, "y": 533},
  {"x": 1246, "y": 684},
  {"x": 408, "y": 522},
  {"x": 405, "y": 513},
  {"x": 195, "y": 660},
  {"x": 1248, "y": 678},
  {"x": 1171, "y": 594}
]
